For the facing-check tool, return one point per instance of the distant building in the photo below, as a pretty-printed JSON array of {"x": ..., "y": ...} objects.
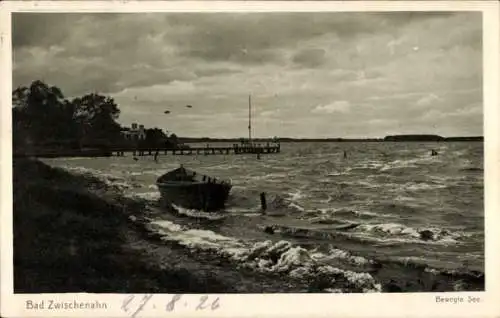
[{"x": 134, "y": 133}]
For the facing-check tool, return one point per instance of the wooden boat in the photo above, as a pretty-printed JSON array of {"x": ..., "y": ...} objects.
[{"x": 186, "y": 188}]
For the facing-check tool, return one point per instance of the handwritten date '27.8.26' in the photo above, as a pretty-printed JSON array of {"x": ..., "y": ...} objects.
[{"x": 134, "y": 305}]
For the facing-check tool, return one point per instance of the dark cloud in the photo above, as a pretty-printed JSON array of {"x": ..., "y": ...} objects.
[
  {"x": 310, "y": 57},
  {"x": 35, "y": 29},
  {"x": 219, "y": 36},
  {"x": 207, "y": 72},
  {"x": 251, "y": 38}
]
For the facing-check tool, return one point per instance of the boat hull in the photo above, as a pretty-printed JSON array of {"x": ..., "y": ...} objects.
[{"x": 207, "y": 197}]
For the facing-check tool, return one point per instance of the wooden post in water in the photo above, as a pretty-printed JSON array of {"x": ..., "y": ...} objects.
[{"x": 263, "y": 204}]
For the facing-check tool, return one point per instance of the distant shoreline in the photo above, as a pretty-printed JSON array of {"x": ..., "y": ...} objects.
[
  {"x": 108, "y": 152},
  {"x": 394, "y": 138}
]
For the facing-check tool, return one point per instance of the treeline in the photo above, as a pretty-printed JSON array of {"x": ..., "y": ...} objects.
[
  {"x": 414, "y": 138},
  {"x": 42, "y": 118},
  {"x": 431, "y": 138},
  {"x": 274, "y": 139}
]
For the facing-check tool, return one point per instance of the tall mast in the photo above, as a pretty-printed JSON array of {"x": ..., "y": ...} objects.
[{"x": 249, "y": 119}]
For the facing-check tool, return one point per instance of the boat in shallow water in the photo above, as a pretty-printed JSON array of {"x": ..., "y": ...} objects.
[{"x": 190, "y": 190}]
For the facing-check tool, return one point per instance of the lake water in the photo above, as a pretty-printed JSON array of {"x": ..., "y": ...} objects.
[{"x": 385, "y": 201}]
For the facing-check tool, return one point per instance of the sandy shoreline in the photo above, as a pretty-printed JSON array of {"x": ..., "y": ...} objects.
[{"x": 74, "y": 233}]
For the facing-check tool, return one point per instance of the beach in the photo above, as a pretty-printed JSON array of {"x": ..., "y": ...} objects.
[{"x": 373, "y": 230}]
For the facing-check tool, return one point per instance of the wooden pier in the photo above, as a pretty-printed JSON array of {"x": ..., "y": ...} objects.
[{"x": 234, "y": 150}]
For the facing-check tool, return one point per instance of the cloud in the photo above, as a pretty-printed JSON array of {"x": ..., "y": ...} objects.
[
  {"x": 335, "y": 107},
  {"x": 269, "y": 113},
  {"x": 429, "y": 99},
  {"x": 310, "y": 57},
  {"x": 474, "y": 110},
  {"x": 293, "y": 64}
]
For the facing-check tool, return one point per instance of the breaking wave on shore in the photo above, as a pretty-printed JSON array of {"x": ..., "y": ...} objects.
[{"x": 282, "y": 257}]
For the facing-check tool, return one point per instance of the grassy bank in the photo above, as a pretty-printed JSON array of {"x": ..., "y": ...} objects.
[
  {"x": 72, "y": 234},
  {"x": 66, "y": 239}
]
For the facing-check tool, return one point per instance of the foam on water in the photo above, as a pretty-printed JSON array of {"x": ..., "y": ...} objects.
[
  {"x": 269, "y": 257},
  {"x": 296, "y": 207},
  {"x": 109, "y": 179},
  {"x": 414, "y": 186},
  {"x": 336, "y": 253},
  {"x": 149, "y": 196},
  {"x": 297, "y": 195},
  {"x": 327, "y": 200},
  {"x": 336, "y": 212},
  {"x": 297, "y": 262},
  {"x": 198, "y": 214},
  {"x": 369, "y": 165},
  {"x": 255, "y": 211},
  {"x": 279, "y": 203},
  {"x": 405, "y": 163},
  {"x": 388, "y": 233}
]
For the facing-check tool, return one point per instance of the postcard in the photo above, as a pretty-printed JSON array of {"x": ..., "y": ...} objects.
[{"x": 244, "y": 159}]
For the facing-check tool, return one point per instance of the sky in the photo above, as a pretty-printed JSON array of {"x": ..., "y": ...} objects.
[{"x": 310, "y": 75}]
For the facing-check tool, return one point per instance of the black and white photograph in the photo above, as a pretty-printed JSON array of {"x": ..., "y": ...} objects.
[{"x": 248, "y": 152}]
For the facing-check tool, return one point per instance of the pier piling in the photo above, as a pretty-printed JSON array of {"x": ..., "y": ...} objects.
[{"x": 207, "y": 150}]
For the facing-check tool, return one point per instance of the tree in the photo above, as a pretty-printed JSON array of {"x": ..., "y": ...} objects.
[
  {"x": 20, "y": 97},
  {"x": 96, "y": 115},
  {"x": 173, "y": 140},
  {"x": 41, "y": 113},
  {"x": 155, "y": 138}
]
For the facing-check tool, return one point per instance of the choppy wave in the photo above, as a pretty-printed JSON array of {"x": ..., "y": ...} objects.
[
  {"x": 197, "y": 214},
  {"x": 280, "y": 203},
  {"x": 344, "y": 171},
  {"x": 472, "y": 169},
  {"x": 303, "y": 232},
  {"x": 405, "y": 163},
  {"x": 242, "y": 200},
  {"x": 128, "y": 188},
  {"x": 336, "y": 254},
  {"x": 337, "y": 213},
  {"x": 417, "y": 186},
  {"x": 381, "y": 233},
  {"x": 390, "y": 233},
  {"x": 296, "y": 195},
  {"x": 109, "y": 179},
  {"x": 148, "y": 196},
  {"x": 280, "y": 257}
]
